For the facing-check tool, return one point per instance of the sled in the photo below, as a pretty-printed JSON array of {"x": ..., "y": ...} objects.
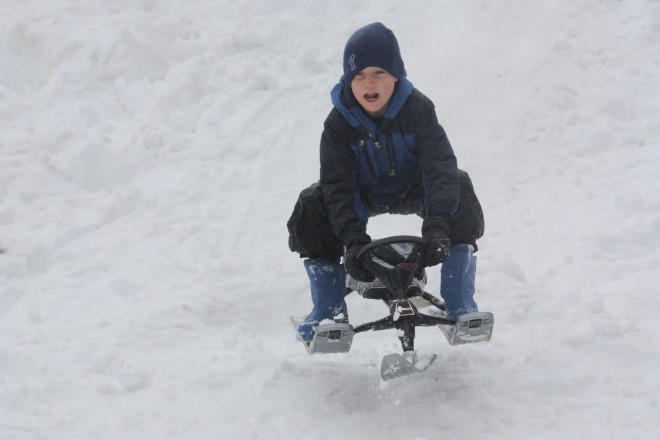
[{"x": 400, "y": 280}]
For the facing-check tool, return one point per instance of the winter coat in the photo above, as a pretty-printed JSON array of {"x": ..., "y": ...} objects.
[{"x": 372, "y": 167}]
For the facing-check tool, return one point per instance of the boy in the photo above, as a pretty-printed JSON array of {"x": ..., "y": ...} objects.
[{"x": 383, "y": 151}]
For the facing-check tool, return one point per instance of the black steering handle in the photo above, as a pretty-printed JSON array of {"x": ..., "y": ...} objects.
[{"x": 390, "y": 240}]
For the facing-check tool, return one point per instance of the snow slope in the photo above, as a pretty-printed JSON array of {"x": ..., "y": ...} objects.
[{"x": 151, "y": 153}]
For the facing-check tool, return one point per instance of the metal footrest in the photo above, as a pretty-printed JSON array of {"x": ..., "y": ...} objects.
[
  {"x": 331, "y": 338},
  {"x": 470, "y": 328},
  {"x": 328, "y": 338}
]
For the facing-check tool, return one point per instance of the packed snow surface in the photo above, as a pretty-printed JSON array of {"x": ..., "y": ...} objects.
[{"x": 151, "y": 153}]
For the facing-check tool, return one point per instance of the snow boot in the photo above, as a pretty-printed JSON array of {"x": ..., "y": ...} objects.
[
  {"x": 327, "y": 280},
  {"x": 457, "y": 278},
  {"x": 457, "y": 290}
]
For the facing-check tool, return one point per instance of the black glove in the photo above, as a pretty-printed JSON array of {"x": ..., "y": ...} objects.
[
  {"x": 436, "y": 232},
  {"x": 351, "y": 263}
]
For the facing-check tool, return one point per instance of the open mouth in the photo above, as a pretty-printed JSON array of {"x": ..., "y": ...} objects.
[{"x": 371, "y": 97}]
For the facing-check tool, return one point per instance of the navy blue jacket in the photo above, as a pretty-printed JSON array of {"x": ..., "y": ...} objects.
[{"x": 371, "y": 167}]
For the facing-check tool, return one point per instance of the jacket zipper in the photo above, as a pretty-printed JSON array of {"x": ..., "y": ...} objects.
[
  {"x": 364, "y": 151},
  {"x": 388, "y": 151},
  {"x": 391, "y": 155}
]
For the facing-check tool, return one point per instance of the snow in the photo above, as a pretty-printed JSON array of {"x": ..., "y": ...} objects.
[{"x": 152, "y": 151}]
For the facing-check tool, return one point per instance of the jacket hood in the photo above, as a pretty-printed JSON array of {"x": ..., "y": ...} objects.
[{"x": 344, "y": 101}]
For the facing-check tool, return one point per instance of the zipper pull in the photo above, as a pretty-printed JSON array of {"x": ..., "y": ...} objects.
[{"x": 375, "y": 141}]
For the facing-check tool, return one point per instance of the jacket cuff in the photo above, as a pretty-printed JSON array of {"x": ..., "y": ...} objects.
[
  {"x": 435, "y": 224},
  {"x": 357, "y": 238},
  {"x": 443, "y": 215}
]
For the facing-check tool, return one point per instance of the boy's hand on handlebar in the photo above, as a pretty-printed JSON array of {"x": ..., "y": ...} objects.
[
  {"x": 437, "y": 251},
  {"x": 351, "y": 263},
  {"x": 436, "y": 232}
]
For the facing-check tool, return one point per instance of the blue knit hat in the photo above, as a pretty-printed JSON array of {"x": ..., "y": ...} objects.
[{"x": 372, "y": 45}]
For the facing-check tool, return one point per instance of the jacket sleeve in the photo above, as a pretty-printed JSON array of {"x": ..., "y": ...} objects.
[
  {"x": 437, "y": 163},
  {"x": 338, "y": 180}
]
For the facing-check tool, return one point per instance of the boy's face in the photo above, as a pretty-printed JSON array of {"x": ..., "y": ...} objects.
[{"x": 373, "y": 88}]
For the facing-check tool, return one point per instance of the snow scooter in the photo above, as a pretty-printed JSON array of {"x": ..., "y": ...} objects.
[{"x": 400, "y": 279}]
